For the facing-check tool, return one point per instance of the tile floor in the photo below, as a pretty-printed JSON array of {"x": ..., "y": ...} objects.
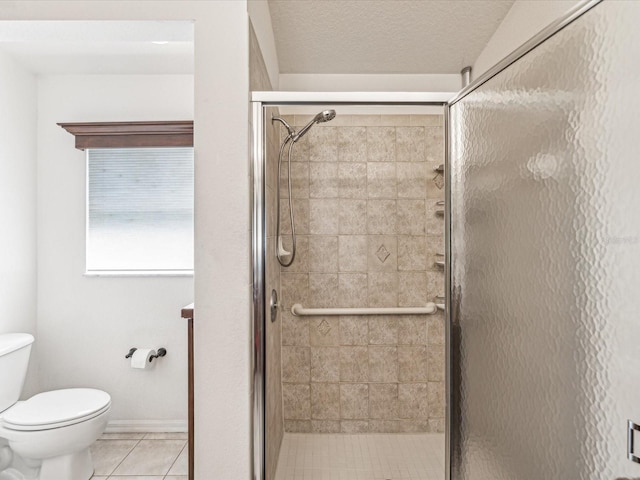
[
  {"x": 140, "y": 456},
  {"x": 361, "y": 457}
]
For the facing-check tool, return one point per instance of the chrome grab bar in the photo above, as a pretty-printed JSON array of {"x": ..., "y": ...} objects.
[{"x": 429, "y": 309}]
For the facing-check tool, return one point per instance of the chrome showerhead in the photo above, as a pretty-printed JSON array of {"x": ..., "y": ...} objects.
[{"x": 324, "y": 116}]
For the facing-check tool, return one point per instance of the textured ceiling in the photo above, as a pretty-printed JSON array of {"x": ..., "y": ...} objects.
[{"x": 382, "y": 36}]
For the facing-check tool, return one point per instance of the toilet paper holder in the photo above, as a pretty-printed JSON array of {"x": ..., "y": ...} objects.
[{"x": 161, "y": 352}]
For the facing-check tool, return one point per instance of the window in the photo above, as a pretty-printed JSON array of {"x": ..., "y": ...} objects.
[
  {"x": 139, "y": 196},
  {"x": 140, "y": 210}
]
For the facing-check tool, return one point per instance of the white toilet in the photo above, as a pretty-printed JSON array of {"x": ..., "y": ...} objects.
[{"x": 48, "y": 436}]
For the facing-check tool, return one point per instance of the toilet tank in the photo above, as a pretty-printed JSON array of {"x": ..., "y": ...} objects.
[{"x": 15, "y": 349}]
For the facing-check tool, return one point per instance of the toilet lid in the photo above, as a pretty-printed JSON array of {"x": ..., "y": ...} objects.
[
  {"x": 10, "y": 342},
  {"x": 56, "y": 408}
]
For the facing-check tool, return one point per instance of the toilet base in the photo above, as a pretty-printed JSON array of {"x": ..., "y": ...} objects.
[
  {"x": 58, "y": 453},
  {"x": 18, "y": 469},
  {"x": 75, "y": 466}
]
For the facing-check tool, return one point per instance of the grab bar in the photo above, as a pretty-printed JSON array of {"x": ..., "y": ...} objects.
[{"x": 429, "y": 309}]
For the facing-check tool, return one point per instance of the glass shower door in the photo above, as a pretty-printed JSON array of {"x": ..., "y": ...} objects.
[{"x": 545, "y": 249}]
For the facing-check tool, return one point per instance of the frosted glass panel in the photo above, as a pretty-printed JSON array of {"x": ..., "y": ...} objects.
[
  {"x": 140, "y": 209},
  {"x": 545, "y": 243}
]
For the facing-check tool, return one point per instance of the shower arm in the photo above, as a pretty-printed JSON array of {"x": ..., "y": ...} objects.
[
  {"x": 293, "y": 135},
  {"x": 289, "y": 128}
]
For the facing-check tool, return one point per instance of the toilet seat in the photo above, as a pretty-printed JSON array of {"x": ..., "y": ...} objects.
[{"x": 56, "y": 409}]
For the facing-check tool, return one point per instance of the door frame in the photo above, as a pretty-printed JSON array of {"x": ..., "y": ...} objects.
[{"x": 446, "y": 100}]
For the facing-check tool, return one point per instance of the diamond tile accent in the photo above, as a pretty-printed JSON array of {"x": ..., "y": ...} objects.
[
  {"x": 382, "y": 253},
  {"x": 324, "y": 328},
  {"x": 438, "y": 181}
]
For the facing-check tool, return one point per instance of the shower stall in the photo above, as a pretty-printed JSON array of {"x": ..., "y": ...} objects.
[
  {"x": 524, "y": 218},
  {"x": 354, "y": 341}
]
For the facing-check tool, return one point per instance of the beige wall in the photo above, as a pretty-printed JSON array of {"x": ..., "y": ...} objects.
[
  {"x": 274, "y": 423},
  {"x": 273, "y": 331},
  {"x": 365, "y": 195},
  {"x": 263, "y": 33}
]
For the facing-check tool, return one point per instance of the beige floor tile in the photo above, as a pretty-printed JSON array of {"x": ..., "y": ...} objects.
[
  {"x": 176, "y": 477},
  {"x": 137, "y": 477},
  {"x": 166, "y": 436},
  {"x": 107, "y": 454},
  {"x": 151, "y": 457},
  {"x": 123, "y": 436},
  {"x": 181, "y": 465}
]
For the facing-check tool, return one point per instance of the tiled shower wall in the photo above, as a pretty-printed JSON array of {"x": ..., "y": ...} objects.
[{"x": 365, "y": 192}]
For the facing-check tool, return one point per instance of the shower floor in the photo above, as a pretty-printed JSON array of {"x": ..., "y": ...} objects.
[{"x": 361, "y": 457}]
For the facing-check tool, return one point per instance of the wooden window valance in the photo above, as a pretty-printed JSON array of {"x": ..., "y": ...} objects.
[{"x": 131, "y": 134}]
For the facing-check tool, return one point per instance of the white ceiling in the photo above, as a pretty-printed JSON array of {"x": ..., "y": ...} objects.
[
  {"x": 312, "y": 36},
  {"x": 382, "y": 36},
  {"x": 95, "y": 47}
]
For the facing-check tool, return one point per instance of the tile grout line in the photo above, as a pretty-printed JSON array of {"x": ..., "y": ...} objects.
[
  {"x": 124, "y": 458},
  {"x": 176, "y": 459}
]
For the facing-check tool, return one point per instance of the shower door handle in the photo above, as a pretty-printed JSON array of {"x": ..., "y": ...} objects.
[
  {"x": 274, "y": 305},
  {"x": 631, "y": 427}
]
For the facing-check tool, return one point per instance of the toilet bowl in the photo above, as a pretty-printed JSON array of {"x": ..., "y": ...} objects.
[
  {"x": 49, "y": 434},
  {"x": 54, "y": 430}
]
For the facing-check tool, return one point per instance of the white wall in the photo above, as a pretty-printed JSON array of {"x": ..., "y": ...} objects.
[
  {"x": 87, "y": 324},
  {"x": 369, "y": 83},
  {"x": 222, "y": 291},
  {"x": 523, "y": 21},
  {"x": 223, "y": 238},
  {"x": 18, "y": 202}
]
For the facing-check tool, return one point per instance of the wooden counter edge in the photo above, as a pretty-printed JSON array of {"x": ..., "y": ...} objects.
[{"x": 187, "y": 312}]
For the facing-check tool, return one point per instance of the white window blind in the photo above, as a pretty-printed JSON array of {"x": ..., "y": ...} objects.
[{"x": 140, "y": 210}]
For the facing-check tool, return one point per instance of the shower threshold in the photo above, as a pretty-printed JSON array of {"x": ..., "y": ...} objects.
[{"x": 409, "y": 456}]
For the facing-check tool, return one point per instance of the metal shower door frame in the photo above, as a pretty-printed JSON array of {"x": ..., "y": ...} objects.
[
  {"x": 570, "y": 16},
  {"x": 259, "y": 101}
]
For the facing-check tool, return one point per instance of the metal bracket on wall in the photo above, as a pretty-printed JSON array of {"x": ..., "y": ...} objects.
[{"x": 631, "y": 427}]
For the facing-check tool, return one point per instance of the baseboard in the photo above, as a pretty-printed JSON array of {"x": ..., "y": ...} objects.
[{"x": 151, "y": 426}]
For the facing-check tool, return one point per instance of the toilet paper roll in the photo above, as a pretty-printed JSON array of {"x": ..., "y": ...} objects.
[{"x": 140, "y": 358}]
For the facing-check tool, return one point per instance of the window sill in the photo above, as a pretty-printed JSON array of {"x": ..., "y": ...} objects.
[{"x": 139, "y": 273}]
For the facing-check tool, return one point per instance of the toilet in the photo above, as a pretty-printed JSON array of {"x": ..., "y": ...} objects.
[{"x": 48, "y": 436}]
